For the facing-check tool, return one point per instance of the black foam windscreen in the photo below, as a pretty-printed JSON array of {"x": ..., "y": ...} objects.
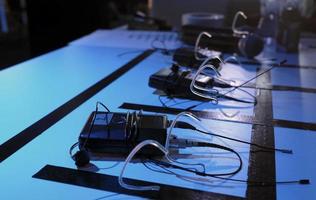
[
  {"x": 251, "y": 45},
  {"x": 224, "y": 40},
  {"x": 81, "y": 158}
]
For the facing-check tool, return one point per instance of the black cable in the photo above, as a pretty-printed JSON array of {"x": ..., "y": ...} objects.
[
  {"x": 219, "y": 176},
  {"x": 164, "y": 104},
  {"x": 253, "y": 96},
  {"x": 72, "y": 148},
  {"x": 104, "y": 106},
  {"x": 90, "y": 127},
  {"x": 236, "y": 99},
  {"x": 185, "y": 125},
  {"x": 211, "y": 145},
  {"x": 258, "y": 75},
  {"x": 221, "y": 84},
  {"x": 225, "y": 85},
  {"x": 164, "y": 171},
  {"x": 93, "y": 121},
  {"x": 245, "y": 142}
]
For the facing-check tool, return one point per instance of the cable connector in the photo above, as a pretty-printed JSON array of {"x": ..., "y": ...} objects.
[
  {"x": 304, "y": 181},
  {"x": 182, "y": 143},
  {"x": 288, "y": 151}
]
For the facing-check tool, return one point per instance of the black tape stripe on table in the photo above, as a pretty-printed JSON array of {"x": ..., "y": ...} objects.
[
  {"x": 262, "y": 165},
  {"x": 110, "y": 184},
  {"x": 19, "y": 140},
  {"x": 286, "y": 65},
  {"x": 201, "y": 114},
  {"x": 281, "y": 88},
  {"x": 218, "y": 116}
]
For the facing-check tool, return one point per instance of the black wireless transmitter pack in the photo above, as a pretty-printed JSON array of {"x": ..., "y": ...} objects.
[
  {"x": 175, "y": 81},
  {"x": 119, "y": 133},
  {"x": 185, "y": 57}
]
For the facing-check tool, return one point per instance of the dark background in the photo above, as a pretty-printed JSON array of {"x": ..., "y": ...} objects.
[
  {"x": 54, "y": 23},
  {"x": 42, "y": 26}
]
